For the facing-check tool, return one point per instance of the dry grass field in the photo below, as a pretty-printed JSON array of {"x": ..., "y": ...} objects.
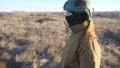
[{"x": 36, "y": 40}]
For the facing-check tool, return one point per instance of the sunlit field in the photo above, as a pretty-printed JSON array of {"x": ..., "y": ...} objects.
[{"x": 37, "y": 40}]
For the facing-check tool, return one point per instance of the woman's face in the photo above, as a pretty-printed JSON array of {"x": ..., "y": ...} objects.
[{"x": 75, "y": 18}]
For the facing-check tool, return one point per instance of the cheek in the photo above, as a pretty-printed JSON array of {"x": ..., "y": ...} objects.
[
  {"x": 74, "y": 20},
  {"x": 70, "y": 20}
]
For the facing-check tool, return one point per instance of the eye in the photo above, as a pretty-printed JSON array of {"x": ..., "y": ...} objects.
[{"x": 68, "y": 14}]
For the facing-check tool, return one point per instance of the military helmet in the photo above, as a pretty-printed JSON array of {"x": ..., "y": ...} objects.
[{"x": 79, "y": 6}]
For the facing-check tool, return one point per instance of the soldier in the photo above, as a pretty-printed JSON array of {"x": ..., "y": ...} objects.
[{"x": 82, "y": 50}]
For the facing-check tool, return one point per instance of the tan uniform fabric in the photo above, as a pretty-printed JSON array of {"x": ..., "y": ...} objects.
[{"x": 82, "y": 50}]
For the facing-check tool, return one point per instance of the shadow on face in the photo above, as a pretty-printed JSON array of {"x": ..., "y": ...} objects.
[{"x": 76, "y": 18}]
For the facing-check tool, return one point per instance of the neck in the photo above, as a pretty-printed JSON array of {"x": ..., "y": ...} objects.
[{"x": 85, "y": 30}]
